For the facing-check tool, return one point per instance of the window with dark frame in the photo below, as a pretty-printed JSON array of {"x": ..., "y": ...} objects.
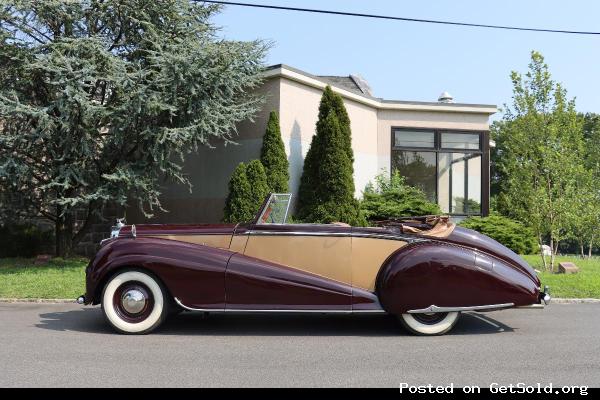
[{"x": 446, "y": 165}]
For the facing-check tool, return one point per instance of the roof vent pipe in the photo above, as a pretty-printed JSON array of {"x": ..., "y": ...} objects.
[{"x": 446, "y": 97}]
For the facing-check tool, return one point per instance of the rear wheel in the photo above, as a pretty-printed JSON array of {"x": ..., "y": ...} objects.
[
  {"x": 134, "y": 302},
  {"x": 429, "y": 323}
]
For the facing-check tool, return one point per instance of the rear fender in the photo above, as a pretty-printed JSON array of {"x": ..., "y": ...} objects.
[{"x": 445, "y": 275}]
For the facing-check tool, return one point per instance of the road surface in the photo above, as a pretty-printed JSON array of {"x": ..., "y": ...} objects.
[{"x": 71, "y": 345}]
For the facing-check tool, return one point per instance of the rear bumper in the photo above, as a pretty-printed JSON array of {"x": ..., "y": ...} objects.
[{"x": 544, "y": 299}]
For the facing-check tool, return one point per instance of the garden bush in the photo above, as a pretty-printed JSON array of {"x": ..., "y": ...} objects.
[
  {"x": 273, "y": 157},
  {"x": 326, "y": 192},
  {"x": 259, "y": 187},
  {"x": 24, "y": 240},
  {"x": 507, "y": 231},
  {"x": 391, "y": 197},
  {"x": 237, "y": 206}
]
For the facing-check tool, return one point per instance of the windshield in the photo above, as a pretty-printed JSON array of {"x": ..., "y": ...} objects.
[{"x": 276, "y": 209}]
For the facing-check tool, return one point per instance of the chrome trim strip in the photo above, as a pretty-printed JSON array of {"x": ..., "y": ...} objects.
[
  {"x": 338, "y": 234},
  {"x": 283, "y": 311},
  {"x": 435, "y": 309},
  {"x": 532, "y": 306},
  {"x": 180, "y": 304},
  {"x": 369, "y": 312}
]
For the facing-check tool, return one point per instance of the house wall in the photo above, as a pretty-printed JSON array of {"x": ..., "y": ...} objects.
[
  {"x": 209, "y": 169},
  {"x": 299, "y": 110}
]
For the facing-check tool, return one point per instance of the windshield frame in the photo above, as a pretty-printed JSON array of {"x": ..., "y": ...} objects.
[{"x": 266, "y": 206}]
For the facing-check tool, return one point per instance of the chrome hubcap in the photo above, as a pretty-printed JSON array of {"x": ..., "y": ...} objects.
[{"x": 133, "y": 301}]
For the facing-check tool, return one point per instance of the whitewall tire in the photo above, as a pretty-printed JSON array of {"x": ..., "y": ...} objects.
[
  {"x": 134, "y": 302},
  {"x": 429, "y": 323}
]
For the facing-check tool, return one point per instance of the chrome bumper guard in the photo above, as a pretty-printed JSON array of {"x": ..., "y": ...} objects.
[
  {"x": 544, "y": 299},
  {"x": 545, "y": 295}
]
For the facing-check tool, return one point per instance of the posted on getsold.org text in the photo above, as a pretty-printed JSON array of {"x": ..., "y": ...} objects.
[{"x": 495, "y": 388}]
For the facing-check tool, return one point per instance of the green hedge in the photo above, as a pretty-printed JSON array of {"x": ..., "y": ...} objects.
[
  {"x": 391, "y": 197},
  {"x": 509, "y": 232}
]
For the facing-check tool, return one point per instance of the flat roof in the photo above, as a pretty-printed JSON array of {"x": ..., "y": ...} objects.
[{"x": 321, "y": 82}]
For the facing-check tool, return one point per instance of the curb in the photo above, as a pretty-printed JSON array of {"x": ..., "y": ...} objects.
[
  {"x": 574, "y": 301},
  {"x": 63, "y": 301},
  {"x": 51, "y": 301}
]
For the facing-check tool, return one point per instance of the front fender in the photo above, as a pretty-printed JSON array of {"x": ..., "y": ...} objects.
[
  {"x": 446, "y": 275},
  {"x": 193, "y": 273}
]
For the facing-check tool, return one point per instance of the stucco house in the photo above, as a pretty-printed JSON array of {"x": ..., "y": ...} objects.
[{"x": 440, "y": 146}]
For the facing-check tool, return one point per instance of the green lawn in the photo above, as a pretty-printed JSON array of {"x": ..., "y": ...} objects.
[
  {"x": 585, "y": 284},
  {"x": 59, "y": 279},
  {"x": 65, "y": 279}
]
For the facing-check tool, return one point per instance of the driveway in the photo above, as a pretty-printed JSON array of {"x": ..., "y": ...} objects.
[{"x": 70, "y": 345}]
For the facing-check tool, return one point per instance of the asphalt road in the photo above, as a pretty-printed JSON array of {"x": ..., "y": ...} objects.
[{"x": 70, "y": 345}]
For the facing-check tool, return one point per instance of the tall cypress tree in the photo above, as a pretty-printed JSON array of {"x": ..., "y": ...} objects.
[
  {"x": 332, "y": 101},
  {"x": 237, "y": 205},
  {"x": 327, "y": 186},
  {"x": 259, "y": 188},
  {"x": 273, "y": 157}
]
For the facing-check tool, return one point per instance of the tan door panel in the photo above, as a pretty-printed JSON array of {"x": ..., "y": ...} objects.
[
  {"x": 220, "y": 241},
  {"x": 367, "y": 256},
  {"x": 321, "y": 255},
  {"x": 238, "y": 243}
]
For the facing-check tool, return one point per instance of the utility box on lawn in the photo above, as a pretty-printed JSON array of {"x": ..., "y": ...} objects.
[{"x": 567, "y": 268}]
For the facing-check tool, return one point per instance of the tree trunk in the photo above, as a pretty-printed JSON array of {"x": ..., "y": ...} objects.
[
  {"x": 590, "y": 248},
  {"x": 64, "y": 234},
  {"x": 541, "y": 243},
  {"x": 552, "y": 254},
  {"x": 582, "y": 250}
]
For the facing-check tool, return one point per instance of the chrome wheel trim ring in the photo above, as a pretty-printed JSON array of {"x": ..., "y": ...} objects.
[{"x": 133, "y": 301}]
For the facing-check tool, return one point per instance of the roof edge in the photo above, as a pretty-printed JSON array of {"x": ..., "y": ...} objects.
[{"x": 308, "y": 79}]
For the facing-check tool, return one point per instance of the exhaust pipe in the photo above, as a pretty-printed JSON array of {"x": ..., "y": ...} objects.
[{"x": 80, "y": 300}]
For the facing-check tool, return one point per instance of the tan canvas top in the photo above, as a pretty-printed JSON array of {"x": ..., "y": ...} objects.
[{"x": 441, "y": 227}]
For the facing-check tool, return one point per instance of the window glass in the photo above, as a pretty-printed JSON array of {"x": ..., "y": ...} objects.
[
  {"x": 467, "y": 141},
  {"x": 404, "y": 138},
  {"x": 276, "y": 209},
  {"x": 459, "y": 183},
  {"x": 418, "y": 168}
]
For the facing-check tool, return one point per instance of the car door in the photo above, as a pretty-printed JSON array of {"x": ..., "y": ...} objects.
[{"x": 291, "y": 266}]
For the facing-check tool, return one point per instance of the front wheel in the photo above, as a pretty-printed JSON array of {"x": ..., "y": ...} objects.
[
  {"x": 134, "y": 302},
  {"x": 429, "y": 323}
]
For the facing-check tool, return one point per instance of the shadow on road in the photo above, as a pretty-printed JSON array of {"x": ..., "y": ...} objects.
[{"x": 91, "y": 320}]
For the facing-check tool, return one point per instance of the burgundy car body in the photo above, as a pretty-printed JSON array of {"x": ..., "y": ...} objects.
[{"x": 463, "y": 271}]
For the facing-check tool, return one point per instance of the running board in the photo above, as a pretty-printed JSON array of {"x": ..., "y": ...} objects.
[
  {"x": 241, "y": 310},
  {"x": 435, "y": 309}
]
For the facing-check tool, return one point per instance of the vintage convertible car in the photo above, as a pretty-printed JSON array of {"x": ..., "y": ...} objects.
[{"x": 423, "y": 270}]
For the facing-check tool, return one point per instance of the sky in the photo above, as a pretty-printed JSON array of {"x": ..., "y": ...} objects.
[{"x": 416, "y": 61}]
